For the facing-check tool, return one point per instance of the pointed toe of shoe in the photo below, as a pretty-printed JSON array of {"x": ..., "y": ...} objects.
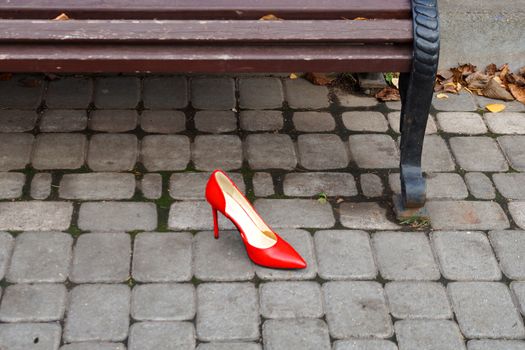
[{"x": 281, "y": 256}]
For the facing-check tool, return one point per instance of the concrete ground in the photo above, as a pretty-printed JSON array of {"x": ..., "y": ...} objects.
[{"x": 106, "y": 241}]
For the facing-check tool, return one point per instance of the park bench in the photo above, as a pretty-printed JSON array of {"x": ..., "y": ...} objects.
[{"x": 218, "y": 36}]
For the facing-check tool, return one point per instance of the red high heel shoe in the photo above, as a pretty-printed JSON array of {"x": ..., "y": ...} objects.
[{"x": 263, "y": 245}]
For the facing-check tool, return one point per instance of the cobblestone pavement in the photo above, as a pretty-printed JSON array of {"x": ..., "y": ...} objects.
[{"x": 106, "y": 241}]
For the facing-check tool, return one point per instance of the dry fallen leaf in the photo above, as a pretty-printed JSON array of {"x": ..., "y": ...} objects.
[
  {"x": 442, "y": 96},
  {"x": 270, "y": 17},
  {"x": 491, "y": 69},
  {"x": 495, "y": 107},
  {"x": 388, "y": 94},
  {"x": 6, "y": 76},
  {"x": 477, "y": 80},
  {"x": 62, "y": 17},
  {"x": 293, "y": 76},
  {"x": 495, "y": 90},
  {"x": 360, "y": 19},
  {"x": 319, "y": 78},
  {"x": 518, "y": 92}
]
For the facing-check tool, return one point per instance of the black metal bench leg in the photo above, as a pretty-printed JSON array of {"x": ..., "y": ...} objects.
[{"x": 416, "y": 90}]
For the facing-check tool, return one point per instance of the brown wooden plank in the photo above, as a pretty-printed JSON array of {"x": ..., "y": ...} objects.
[
  {"x": 372, "y": 31},
  {"x": 204, "y": 59},
  {"x": 210, "y": 9}
]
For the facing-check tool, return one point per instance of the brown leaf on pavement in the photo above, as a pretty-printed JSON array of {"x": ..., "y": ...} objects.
[
  {"x": 495, "y": 90},
  {"x": 388, "y": 94},
  {"x": 491, "y": 69},
  {"x": 62, "y": 17},
  {"x": 518, "y": 92},
  {"x": 477, "y": 80},
  {"x": 270, "y": 17},
  {"x": 319, "y": 78}
]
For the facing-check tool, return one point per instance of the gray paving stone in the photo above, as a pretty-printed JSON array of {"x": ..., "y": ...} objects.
[
  {"x": 439, "y": 185},
  {"x": 480, "y": 186},
  {"x": 300, "y": 93},
  {"x": 267, "y": 151},
  {"x": 463, "y": 101},
  {"x": 518, "y": 290},
  {"x": 117, "y": 216},
  {"x": 511, "y": 186},
  {"x": 162, "y": 336},
  {"x": 59, "y": 151},
  {"x": 63, "y": 120},
  {"x": 215, "y": 122},
  {"x": 227, "y": 311},
  {"x": 69, "y": 92},
  {"x": 165, "y": 152},
  {"x": 260, "y": 93},
  {"x": 229, "y": 346},
  {"x": 311, "y": 184},
  {"x": 97, "y": 312},
  {"x": 465, "y": 256},
  {"x": 436, "y": 156},
  {"x": 97, "y": 186},
  {"x": 395, "y": 117},
  {"x": 294, "y": 213},
  {"x": 505, "y": 122},
  {"x": 15, "y": 151},
  {"x": 374, "y": 151},
  {"x": 395, "y": 105},
  {"x": 11, "y": 185},
  {"x": 33, "y": 303},
  {"x": 13, "y": 120},
  {"x": 194, "y": 215},
  {"x": 313, "y": 121},
  {"x": 162, "y": 257},
  {"x": 113, "y": 120},
  {"x": 117, "y": 92},
  {"x": 163, "y": 302},
  {"x": 190, "y": 185},
  {"x": 486, "y": 344},
  {"x": 40, "y": 257},
  {"x": 261, "y": 120},
  {"x": 41, "y": 186},
  {"x": 162, "y": 122},
  {"x": 94, "y": 346},
  {"x": 365, "y": 121},
  {"x": 478, "y": 153},
  {"x": 466, "y": 215},
  {"x": 428, "y": 335},
  {"x": 509, "y": 247},
  {"x": 151, "y": 186},
  {"x": 343, "y": 254},
  {"x": 303, "y": 243},
  {"x": 322, "y": 151},
  {"x": 291, "y": 300},
  {"x": 366, "y": 216},
  {"x": 467, "y": 123},
  {"x": 224, "y": 259},
  {"x": 210, "y": 152},
  {"x": 295, "y": 334},
  {"x": 498, "y": 318},
  {"x": 30, "y": 336},
  {"x": 517, "y": 210},
  {"x": 350, "y": 100},
  {"x": 404, "y": 256},
  {"x": 35, "y": 215},
  {"x": 263, "y": 184},
  {"x": 165, "y": 92},
  {"x": 371, "y": 185},
  {"x": 213, "y": 93},
  {"x": 21, "y": 91},
  {"x": 101, "y": 258},
  {"x": 364, "y": 344},
  {"x": 6, "y": 247},
  {"x": 112, "y": 152},
  {"x": 356, "y": 309},
  {"x": 418, "y": 300},
  {"x": 512, "y": 147}
]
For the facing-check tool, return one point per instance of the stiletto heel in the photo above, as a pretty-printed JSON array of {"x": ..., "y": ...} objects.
[
  {"x": 263, "y": 245},
  {"x": 215, "y": 224}
]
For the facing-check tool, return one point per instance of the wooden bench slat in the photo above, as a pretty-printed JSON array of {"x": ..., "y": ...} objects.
[
  {"x": 373, "y": 31},
  {"x": 204, "y": 59},
  {"x": 211, "y": 9}
]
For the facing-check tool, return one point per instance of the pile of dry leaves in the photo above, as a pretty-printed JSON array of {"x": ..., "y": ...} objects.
[{"x": 498, "y": 83}]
